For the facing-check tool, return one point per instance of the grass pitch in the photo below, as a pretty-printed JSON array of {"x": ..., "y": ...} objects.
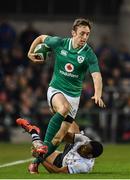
[{"x": 114, "y": 163}]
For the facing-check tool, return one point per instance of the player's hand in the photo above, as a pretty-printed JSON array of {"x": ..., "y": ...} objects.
[
  {"x": 35, "y": 58},
  {"x": 98, "y": 101}
]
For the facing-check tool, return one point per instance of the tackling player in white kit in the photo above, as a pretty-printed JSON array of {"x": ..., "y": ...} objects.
[{"x": 77, "y": 157}]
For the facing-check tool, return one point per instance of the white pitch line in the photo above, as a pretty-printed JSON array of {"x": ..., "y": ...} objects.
[{"x": 16, "y": 162}]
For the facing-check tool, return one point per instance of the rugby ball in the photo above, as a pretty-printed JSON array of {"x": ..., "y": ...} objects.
[{"x": 41, "y": 50}]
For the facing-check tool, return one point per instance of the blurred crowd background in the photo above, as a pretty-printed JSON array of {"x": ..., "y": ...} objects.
[{"x": 23, "y": 84}]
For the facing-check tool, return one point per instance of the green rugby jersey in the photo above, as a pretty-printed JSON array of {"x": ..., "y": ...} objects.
[{"x": 71, "y": 65}]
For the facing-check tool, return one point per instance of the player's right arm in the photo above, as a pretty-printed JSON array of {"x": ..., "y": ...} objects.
[
  {"x": 51, "y": 42},
  {"x": 53, "y": 169},
  {"x": 31, "y": 55},
  {"x": 76, "y": 167}
]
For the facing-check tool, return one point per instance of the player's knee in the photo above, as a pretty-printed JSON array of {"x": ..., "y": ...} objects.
[{"x": 64, "y": 109}]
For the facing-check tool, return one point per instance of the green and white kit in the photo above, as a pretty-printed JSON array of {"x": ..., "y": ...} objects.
[{"x": 71, "y": 65}]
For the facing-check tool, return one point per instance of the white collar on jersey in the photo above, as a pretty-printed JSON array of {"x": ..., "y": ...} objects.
[{"x": 70, "y": 43}]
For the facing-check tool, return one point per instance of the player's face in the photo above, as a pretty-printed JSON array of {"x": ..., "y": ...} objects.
[
  {"x": 81, "y": 35},
  {"x": 85, "y": 151}
]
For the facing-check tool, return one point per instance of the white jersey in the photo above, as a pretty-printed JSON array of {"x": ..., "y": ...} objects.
[{"x": 76, "y": 163}]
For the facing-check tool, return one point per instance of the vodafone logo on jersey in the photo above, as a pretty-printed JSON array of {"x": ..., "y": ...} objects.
[{"x": 69, "y": 67}]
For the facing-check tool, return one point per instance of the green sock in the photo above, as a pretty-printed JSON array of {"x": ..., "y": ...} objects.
[
  {"x": 38, "y": 160},
  {"x": 53, "y": 128},
  {"x": 51, "y": 149}
]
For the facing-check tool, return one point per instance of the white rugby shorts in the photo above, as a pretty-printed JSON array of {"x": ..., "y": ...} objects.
[{"x": 74, "y": 101}]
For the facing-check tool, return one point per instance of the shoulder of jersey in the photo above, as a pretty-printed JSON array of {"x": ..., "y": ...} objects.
[
  {"x": 87, "y": 48},
  {"x": 65, "y": 40}
]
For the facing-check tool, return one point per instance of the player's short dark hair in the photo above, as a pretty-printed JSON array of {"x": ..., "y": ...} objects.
[
  {"x": 81, "y": 22},
  {"x": 97, "y": 148}
]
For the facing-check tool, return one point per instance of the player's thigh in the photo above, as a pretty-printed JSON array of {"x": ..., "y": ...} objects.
[{"x": 59, "y": 101}]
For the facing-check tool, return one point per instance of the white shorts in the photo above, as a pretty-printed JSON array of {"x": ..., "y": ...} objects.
[{"x": 74, "y": 101}]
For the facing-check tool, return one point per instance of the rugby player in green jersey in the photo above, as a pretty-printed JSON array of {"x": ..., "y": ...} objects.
[{"x": 73, "y": 58}]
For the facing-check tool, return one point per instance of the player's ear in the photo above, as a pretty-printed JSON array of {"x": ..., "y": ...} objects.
[{"x": 73, "y": 33}]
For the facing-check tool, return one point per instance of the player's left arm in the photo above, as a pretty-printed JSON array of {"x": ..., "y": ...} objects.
[
  {"x": 53, "y": 169},
  {"x": 97, "y": 80}
]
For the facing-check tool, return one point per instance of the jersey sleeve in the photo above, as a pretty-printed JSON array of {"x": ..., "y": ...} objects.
[
  {"x": 80, "y": 167},
  {"x": 53, "y": 42},
  {"x": 93, "y": 62}
]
